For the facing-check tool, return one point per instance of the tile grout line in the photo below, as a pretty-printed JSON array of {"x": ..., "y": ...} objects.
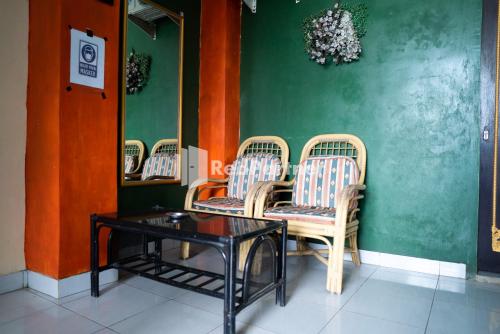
[
  {"x": 85, "y": 317},
  {"x": 347, "y": 301},
  {"x": 379, "y": 318},
  {"x": 133, "y": 315},
  {"x": 432, "y": 304},
  {"x": 243, "y": 323},
  {"x": 57, "y": 305},
  {"x": 385, "y": 320},
  {"x": 108, "y": 326},
  {"x": 29, "y": 314},
  {"x": 199, "y": 308},
  {"x": 140, "y": 312}
]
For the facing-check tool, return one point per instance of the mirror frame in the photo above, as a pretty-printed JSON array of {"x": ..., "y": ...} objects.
[{"x": 179, "y": 20}]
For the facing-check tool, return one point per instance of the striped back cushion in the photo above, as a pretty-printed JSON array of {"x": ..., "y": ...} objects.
[
  {"x": 251, "y": 168},
  {"x": 319, "y": 181},
  {"x": 161, "y": 164},
  {"x": 129, "y": 163}
]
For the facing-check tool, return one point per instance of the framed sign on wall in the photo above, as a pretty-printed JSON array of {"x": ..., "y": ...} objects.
[{"x": 87, "y": 59}]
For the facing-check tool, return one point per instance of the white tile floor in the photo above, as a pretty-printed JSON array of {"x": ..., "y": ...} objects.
[{"x": 374, "y": 300}]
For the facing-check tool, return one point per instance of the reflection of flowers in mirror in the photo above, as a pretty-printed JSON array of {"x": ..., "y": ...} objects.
[{"x": 137, "y": 72}]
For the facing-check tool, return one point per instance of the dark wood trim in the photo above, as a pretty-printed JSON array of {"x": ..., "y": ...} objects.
[{"x": 485, "y": 260}]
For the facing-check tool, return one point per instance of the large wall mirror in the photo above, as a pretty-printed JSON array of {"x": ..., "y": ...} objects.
[{"x": 151, "y": 93}]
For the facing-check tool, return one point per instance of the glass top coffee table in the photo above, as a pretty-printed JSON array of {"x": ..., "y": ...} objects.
[{"x": 264, "y": 269}]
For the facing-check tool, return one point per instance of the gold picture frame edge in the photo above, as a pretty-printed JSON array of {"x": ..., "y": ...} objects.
[{"x": 172, "y": 15}]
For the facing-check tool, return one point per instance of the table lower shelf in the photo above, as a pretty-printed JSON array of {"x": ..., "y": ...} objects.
[{"x": 193, "y": 279}]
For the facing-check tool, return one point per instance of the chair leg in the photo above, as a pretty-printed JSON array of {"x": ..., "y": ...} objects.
[
  {"x": 353, "y": 243},
  {"x": 184, "y": 250},
  {"x": 301, "y": 244},
  {"x": 330, "y": 270},
  {"x": 257, "y": 260},
  {"x": 244, "y": 249},
  {"x": 336, "y": 266}
]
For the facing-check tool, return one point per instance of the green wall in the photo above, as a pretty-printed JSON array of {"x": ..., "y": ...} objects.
[
  {"x": 413, "y": 98},
  {"x": 151, "y": 114},
  {"x": 144, "y": 197}
]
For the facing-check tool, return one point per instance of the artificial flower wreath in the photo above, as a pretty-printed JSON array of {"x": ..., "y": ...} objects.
[
  {"x": 333, "y": 34},
  {"x": 137, "y": 71}
]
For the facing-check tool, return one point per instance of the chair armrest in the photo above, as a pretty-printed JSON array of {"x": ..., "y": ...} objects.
[
  {"x": 133, "y": 176},
  {"x": 159, "y": 177},
  {"x": 263, "y": 193},
  {"x": 200, "y": 182},
  {"x": 252, "y": 196},
  {"x": 193, "y": 189},
  {"x": 348, "y": 194}
]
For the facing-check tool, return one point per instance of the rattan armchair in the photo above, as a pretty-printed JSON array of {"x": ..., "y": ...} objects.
[
  {"x": 162, "y": 163},
  {"x": 134, "y": 157},
  {"x": 324, "y": 201},
  {"x": 255, "y": 153}
]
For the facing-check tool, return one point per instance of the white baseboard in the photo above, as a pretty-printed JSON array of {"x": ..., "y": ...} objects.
[
  {"x": 409, "y": 263},
  {"x": 14, "y": 281},
  {"x": 67, "y": 286},
  {"x": 81, "y": 282}
]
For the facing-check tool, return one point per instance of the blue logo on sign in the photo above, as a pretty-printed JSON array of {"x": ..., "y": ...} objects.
[
  {"x": 88, "y": 59},
  {"x": 88, "y": 53}
]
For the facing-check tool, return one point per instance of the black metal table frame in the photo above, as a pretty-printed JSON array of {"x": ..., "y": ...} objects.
[{"x": 228, "y": 247}]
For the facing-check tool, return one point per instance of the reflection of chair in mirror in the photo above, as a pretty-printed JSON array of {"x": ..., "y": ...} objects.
[
  {"x": 259, "y": 159},
  {"x": 324, "y": 201},
  {"x": 134, "y": 155},
  {"x": 162, "y": 163},
  {"x": 152, "y": 42}
]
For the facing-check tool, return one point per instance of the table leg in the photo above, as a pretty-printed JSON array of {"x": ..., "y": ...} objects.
[
  {"x": 230, "y": 288},
  {"x": 145, "y": 250},
  {"x": 158, "y": 251},
  {"x": 282, "y": 259},
  {"x": 94, "y": 257}
]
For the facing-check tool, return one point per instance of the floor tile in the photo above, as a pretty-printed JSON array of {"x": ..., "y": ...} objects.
[
  {"x": 114, "y": 304},
  {"x": 469, "y": 293},
  {"x": 170, "y": 317},
  {"x": 105, "y": 331},
  {"x": 204, "y": 302},
  {"x": 242, "y": 328},
  {"x": 154, "y": 287},
  {"x": 398, "y": 302},
  {"x": 53, "y": 320},
  {"x": 456, "y": 319},
  {"x": 312, "y": 287},
  {"x": 373, "y": 300},
  {"x": 20, "y": 303},
  {"x": 67, "y": 299},
  {"x": 353, "y": 323},
  {"x": 298, "y": 316},
  {"x": 410, "y": 278}
]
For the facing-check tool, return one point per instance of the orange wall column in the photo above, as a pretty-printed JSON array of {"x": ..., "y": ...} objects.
[
  {"x": 219, "y": 105},
  {"x": 71, "y": 155}
]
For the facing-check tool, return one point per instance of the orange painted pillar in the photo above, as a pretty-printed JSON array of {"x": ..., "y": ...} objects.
[
  {"x": 219, "y": 105},
  {"x": 71, "y": 153}
]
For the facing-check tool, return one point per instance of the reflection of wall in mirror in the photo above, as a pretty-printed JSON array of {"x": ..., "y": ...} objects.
[{"x": 151, "y": 114}]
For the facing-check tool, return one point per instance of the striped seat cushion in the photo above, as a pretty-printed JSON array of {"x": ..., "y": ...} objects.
[
  {"x": 249, "y": 169},
  {"x": 302, "y": 213},
  {"x": 320, "y": 180},
  {"x": 221, "y": 204},
  {"x": 129, "y": 163},
  {"x": 160, "y": 164}
]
